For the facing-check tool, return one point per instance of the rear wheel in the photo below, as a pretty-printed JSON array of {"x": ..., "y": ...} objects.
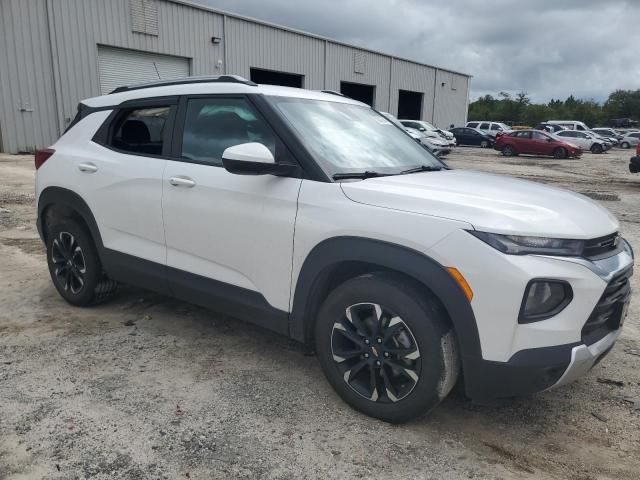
[
  {"x": 74, "y": 265},
  {"x": 559, "y": 153},
  {"x": 385, "y": 349},
  {"x": 596, "y": 148},
  {"x": 508, "y": 151}
]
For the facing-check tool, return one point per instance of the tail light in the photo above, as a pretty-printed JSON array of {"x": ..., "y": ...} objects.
[
  {"x": 42, "y": 156},
  {"x": 638, "y": 149}
]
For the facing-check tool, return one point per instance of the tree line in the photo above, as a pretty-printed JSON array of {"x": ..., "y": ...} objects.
[{"x": 518, "y": 109}]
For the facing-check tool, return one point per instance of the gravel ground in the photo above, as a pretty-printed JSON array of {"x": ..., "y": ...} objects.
[{"x": 147, "y": 387}]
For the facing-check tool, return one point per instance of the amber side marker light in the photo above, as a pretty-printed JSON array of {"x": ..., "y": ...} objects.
[{"x": 457, "y": 276}]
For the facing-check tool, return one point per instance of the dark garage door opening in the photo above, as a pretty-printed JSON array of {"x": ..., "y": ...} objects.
[
  {"x": 358, "y": 91},
  {"x": 409, "y": 105},
  {"x": 271, "y": 77}
]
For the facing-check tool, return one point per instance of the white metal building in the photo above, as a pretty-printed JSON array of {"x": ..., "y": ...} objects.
[{"x": 54, "y": 53}]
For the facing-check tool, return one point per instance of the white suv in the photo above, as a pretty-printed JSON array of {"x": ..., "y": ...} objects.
[
  {"x": 312, "y": 215},
  {"x": 489, "y": 128}
]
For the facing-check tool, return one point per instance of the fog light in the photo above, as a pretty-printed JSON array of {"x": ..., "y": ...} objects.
[{"x": 543, "y": 299}]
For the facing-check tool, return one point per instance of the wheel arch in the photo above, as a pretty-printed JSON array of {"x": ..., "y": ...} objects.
[
  {"x": 335, "y": 260},
  {"x": 61, "y": 202}
]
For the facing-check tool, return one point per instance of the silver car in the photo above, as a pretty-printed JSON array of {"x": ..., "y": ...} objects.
[{"x": 631, "y": 139}]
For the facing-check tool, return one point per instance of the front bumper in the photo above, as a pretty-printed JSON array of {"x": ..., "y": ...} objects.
[{"x": 538, "y": 369}]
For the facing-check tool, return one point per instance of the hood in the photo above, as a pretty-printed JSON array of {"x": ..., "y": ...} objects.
[{"x": 491, "y": 203}]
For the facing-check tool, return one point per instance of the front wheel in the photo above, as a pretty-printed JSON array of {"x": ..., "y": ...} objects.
[
  {"x": 625, "y": 145},
  {"x": 508, "y": 151},
  {"x": 484, "y": 144},
  {"x": 596, "y": 148},
  {"x": 385, "y": 348},
  {"x": 559, "y": 153}
]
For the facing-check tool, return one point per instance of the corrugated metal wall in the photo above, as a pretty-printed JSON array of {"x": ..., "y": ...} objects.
[
  {"x": 49, "y": 61},
  {"x": 451, "y": 97},
  {"x": 27, "y": 101},
  {"x": 341, "y": 63},
  {"x": 414, "y": 77},
  {"x": 79, "y": 26},
  {"x": 253, "y": 45}
]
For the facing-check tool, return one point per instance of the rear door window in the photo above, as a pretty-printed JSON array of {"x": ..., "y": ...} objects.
[
  {"x": 140, "y": 131},
  {"x": 472, "y": 124},
  {"x": 484, "y": 126}
]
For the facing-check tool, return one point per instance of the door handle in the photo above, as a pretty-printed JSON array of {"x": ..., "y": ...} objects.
[
  {"x": 87, "y": 167},
  {"x": 181, "y": 181}
]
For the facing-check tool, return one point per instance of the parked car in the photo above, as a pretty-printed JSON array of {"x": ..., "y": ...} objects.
[
  {"x": 630, "y": 140},
  {"x": 490, "y": 128},
  {"x": 634, "y": 164},
  {"x": 535, "y": 142},
  {"x": 583, "y": 140},
  {"x": 404, "y": 274},
  {"x": 569, "y": 124},
  {"x": 549, "y": 127},
  {"x": 471, "y": 136},
  {"x": 608, "y": 133},
  {"x": 432, "y": 141},
  {"x": 423, "y": 126}
]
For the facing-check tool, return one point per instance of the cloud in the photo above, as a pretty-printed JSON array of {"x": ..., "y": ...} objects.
[{"x": 549, "y": 48}]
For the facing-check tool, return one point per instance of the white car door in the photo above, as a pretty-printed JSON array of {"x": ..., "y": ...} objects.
[
  {"x": 236, "y": 230},
  {"x": 571, "y": 136},
  {"x": 120, "y": 177}
]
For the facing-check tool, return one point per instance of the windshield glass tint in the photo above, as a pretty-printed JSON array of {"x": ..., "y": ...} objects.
[{"x": 348, "y": 138}]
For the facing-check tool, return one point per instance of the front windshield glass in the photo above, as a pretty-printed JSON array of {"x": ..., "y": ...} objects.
[{"x": 344, "y": 137}]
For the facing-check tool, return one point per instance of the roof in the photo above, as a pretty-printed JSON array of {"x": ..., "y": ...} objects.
[
  {"x": 206, "y": 8},
  {"x": 213, "y": 87}
]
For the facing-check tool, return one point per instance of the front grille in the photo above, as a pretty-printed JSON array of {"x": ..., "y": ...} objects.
[
  {"x": 607, "y": 314},
  {"x": 601, "y": 245}
]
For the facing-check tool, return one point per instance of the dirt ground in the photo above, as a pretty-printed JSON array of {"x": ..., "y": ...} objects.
[{"x": 148, "y": 387}]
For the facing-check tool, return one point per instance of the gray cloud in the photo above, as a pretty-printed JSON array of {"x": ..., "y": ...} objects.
[{"x": 550, "y": 48}]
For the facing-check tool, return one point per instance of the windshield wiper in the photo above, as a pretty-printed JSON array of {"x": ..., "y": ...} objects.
[
  {"x": 422, "y": 168},
  {"x": 365, "y": 174}
]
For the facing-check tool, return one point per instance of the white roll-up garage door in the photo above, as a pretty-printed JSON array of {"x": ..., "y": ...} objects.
[{"x": 119, "y": 66}]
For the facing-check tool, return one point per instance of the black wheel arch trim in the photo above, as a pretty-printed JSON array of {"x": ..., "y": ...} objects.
[
  {"x": 63, "y": 196},
  {"x": 332, "y": 252}
]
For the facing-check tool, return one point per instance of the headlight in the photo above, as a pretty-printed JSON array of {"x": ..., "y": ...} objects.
[{"x": 519, "y": 245}]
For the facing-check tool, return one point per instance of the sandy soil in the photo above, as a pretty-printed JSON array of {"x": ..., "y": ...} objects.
[{"x": 149, "y": 387}]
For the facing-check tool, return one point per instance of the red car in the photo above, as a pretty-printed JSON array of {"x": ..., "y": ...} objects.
[{"x": 535, "y": 142}]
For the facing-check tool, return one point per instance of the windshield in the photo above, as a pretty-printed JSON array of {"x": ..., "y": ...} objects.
[{"x": 344, "y": 137}]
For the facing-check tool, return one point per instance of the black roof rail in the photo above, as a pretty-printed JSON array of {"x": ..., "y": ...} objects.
[
  {"x": 333, "y": 92},
  {"x": 186, "y": 81}
]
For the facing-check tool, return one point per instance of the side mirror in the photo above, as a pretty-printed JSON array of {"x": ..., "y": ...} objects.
[{"x": 255, "y": 159}]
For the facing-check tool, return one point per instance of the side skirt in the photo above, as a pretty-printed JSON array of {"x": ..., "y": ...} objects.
[{"x": 221, "y": 297}]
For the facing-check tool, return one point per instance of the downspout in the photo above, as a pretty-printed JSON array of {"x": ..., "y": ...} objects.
[
  {"x": 224, "y": 44},
  {"x": 433, "y": 106},
  {"x": 390, "y": 78},
  {"x": 55, "y": 69},
  {"x": 324, "y": 87}
]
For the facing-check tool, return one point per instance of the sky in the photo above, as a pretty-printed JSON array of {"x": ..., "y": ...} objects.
[{"x": 548, "y": 48}]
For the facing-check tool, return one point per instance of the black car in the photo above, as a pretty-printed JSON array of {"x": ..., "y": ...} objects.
[{"x": 471, "y": 136}]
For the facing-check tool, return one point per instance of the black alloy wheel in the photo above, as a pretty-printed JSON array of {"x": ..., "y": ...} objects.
[
  {"x": 69, "y": 263},
  {"x": 376, "y": 352}
]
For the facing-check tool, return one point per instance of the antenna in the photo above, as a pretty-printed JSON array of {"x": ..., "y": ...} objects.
[{"x": 157, "y": 72}]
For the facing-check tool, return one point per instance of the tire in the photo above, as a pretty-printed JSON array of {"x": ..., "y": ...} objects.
[
  {"x": 74, "y": 265},
  {"x": 596, "y": 148},
  {"x": 508, "y": 151},
  {"x": 625, "y": 145},
  {"x": 559, "y": 153},
  {"x": 484, "y": 144},
  {"x": 397, "y": 379}
]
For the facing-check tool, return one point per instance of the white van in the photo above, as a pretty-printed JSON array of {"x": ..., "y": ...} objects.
[{"x": 569, "y": 124}]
